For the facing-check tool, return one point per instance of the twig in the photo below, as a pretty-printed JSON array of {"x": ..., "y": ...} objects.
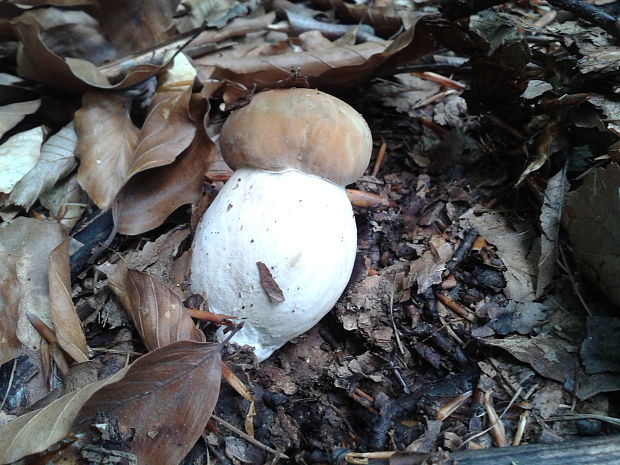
[
  {"x": 250, "y": 439},
  {"x": 463, "y": 249},
  {"x": 563, "y": 264},
  {"x": 379, "y": 161}
]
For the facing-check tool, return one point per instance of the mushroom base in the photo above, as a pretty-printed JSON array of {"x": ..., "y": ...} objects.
[{"x": 301, "y": 227}]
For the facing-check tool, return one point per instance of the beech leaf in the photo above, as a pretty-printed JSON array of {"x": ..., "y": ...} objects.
[
  {"x": 37, "y": 62},
  {"x": 57, "y": 160},
  {"x": 157, "y": 313},
  {"x": 30, "y": 243},
  {"x": 66, "y": 320},
  {"x": 106, "y": 140},
  {"x": 151, "y": 196},
  {"x": 10, "y": 295},
  {"x": 18, "y": 155},
  {"x": 166, "y": 397},
  {"x": 13, "y": 113},
  {"x": 36, "y": 431}
]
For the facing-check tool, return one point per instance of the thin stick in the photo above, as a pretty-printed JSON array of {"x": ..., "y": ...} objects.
[{"x": 250, "y": 439}]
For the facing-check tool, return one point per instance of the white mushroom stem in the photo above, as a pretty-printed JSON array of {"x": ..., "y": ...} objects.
[{"x": 301, "y": 227}]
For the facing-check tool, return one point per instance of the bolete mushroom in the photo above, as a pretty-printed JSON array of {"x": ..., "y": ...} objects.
[{"x": 276, "y": 247}]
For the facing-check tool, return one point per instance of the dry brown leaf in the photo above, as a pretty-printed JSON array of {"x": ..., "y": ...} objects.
[
  {"x": 57, "y": 161},
  {"x": 110, "y": 147},
  {"x": 133, "y": 26},
  {"x": 343, "y": 66},
  {"x": 30, "y": 243},
  {"x": 106, "y": 141},
  {"x": 66, "y": 320},
  {"x": 12, "y": 114},
  {"x": 18, "y": 155},
  {"x": 10, "y": 295},
  {"x": 168, "y": 129},
  {"x": 36, "y": 431},
  {"x": 166, "y": 397},
  {"x": 157, "y": 313},
  {"x": 269, "y": 284},
  {"x": 37, "y": 62},
  {"x": 151, "y": 196},
  {"x": 66, "y": 201}
]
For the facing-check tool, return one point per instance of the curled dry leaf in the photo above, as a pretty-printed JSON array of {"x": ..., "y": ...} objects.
[
  {"x": 18, "y": 155},
  {"x": 157, "y": 313},
  {"x": 269, "y": 284},
  {"x": 66, "y": 320},
  {"x": 166, "y": 397},
  {"x": 168, "y": 130},
  {"x": 12, "y": 114},
  {"x": 37, "y": 62},
  {"x": 57, "y": 160},
  {"x": 36, "y": 431},
  {"x": 338, "y": 66},
  {"x": 65, "y": 201},
  {"x": 30, "y": 243},
  {"x": 106, "y": 141},
  {"x": 10, "y": 295},
  {"x": 151, "y": 196}
]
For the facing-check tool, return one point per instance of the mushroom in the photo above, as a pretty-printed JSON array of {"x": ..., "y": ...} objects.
[{"x": 276, "y": 247}]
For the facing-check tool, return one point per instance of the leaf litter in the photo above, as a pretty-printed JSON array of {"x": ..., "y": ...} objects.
[{"x": 465, "y": 296}]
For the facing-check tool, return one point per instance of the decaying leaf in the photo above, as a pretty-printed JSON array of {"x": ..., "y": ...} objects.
[
  {"x": 157, "y": 313},
  {"x": 66, "y": 201},
  {"x": 269, "y": 284},
  {"x": 57, "y": 160},
  {"x": 550, "y": 216},
  {"x": 36, "y": 431},
  {"x": 151, "y": 196},
  {"x": 30, "y": 242},
  {"x": 166, "y": 397},
  {"x": 66, "y": 321},
  {"x": 427, "y": 270},
  {"x": 106, "y": 141},
  {"x": 594, "y": 228},
  {"x": 12, "y": 114},
  {"x": 544, "y": 145},
  {"x": 18, "y": 155},
  {"x": 10, "y": 295},
  {"x": 549, "y": 356},
  {"x": 513, "y": 241}
]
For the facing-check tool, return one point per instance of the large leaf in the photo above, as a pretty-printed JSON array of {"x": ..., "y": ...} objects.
[
  {"x": 336, "y": 66},
  {"x": 57, "y": 160},
  {"x": 151, "y": 196},
  {"x": 66, "y": 320},
  {"x": 37, "y": 62},
  {"x": 166, "y": 397},
  {"x": 594, "y": 228},
  {"x": 157, "y": 313},
  {"x": 30, "y": 243},
  {"x": 106, "y": 141},
  {"x": 10, "y": 295},
  {"x": 36, "y": 431}
]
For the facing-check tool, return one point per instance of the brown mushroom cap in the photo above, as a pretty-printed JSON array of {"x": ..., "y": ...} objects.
[{"x": 298, "y": 129}]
